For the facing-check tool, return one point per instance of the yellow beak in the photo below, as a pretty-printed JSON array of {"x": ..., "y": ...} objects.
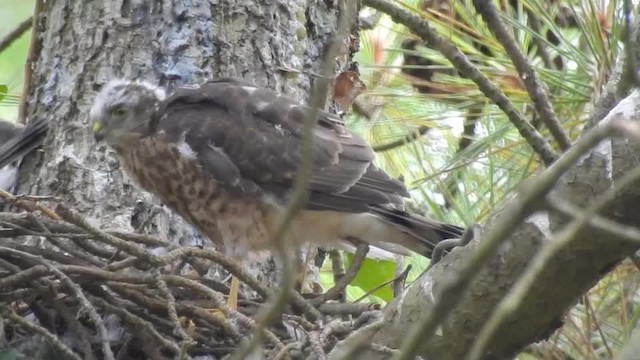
[{"x": 98, "y": 134}]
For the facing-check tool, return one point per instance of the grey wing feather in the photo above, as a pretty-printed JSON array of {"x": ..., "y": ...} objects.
[
  {"x": 16, "y": 141},
  {"x": 242, "y": 133}
]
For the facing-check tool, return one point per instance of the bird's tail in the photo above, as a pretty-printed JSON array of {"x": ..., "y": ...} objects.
[
  {"x": 28, "y": 139},
  {"x": 414, "y": 232}
]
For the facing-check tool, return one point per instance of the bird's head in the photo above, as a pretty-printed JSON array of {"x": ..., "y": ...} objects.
[{"x": 123, "y": 110}]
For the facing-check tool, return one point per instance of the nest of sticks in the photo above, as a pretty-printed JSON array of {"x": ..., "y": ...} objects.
[{"x": 71, "y": 290}]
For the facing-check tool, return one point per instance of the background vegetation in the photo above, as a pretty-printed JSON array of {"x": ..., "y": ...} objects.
[{"x": 498, "y": 159}]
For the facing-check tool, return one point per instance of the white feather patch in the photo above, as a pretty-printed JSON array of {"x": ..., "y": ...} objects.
[
  {"x": 262, "y": 104},
  {"x": 8, "y": 175},
  {"x": 249, "y": 89},
  {"x": 185, "y": 150}
]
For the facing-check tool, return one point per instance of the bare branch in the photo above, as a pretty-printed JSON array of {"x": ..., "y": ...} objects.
[
  {"x": 534, "y": 87},
  {"x": 11, "y": 315},
  {"x": 528, "y": 200},
  {"x": 470, "y": 71},
  {"x": 16, "y": 33}
]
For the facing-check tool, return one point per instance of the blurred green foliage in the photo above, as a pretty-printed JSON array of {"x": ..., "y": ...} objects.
[{"x": 13, "y": 58}]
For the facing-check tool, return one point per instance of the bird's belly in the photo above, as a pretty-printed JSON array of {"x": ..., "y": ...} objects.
[{"x": 234, "y": 223}]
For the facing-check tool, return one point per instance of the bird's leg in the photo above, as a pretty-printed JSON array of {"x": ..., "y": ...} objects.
[
  {"x": 232, "y": 300},
  {"x": 471, "y": 233}
]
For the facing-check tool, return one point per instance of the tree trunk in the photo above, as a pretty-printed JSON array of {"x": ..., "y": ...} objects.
[
  {"x": 277, "y": 44},
  {"x": 87, "y": 43}
]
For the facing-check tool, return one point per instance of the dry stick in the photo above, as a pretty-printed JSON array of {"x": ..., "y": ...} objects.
[
  {"x": 68, "y": 230},
  {"x": 28, "y": 205},
  {"x": 402, "y": 275},
  {"x": 407, "y": 139},
  {"x": 136, "y": 321},
  {"x": 335, "y": 327},
  {"x": 541, "y": 44},
  {"x": 339, "y": 309},
  {"x": 534, "y": 87},
  {"x": 149, "y": 240},
  {"x": 73, "y": 217},
  {"x": 510, "y": 303},
  {"x": 527, "y": 201},
  {"x": 34, "y": 48},
  {"x": 93, "y": 314},
  {"x": 341, "y": 284},
  {"x": 630, "y": 76},
  {"x": 173, "y": 313},
  {"x": 470, "y": 71},
  {"x": 589, "y": 309},
  {"x": 228, "y": 264},
  {"x": 362, "y": 339},
  {"x": 220, "y": 304},
  {"x": 301, "y": 188},
  {"x": 14, "y": 34},
  {"x": 626, "y": 232},
  {"x": 284, "y": 352},
  {"x": 53, "y": 340},
  {"x": 73, "y": 326},
  {"x": 316, "y": 348},
  {"x": 337, "y": 264},
  {"x": 40, "y": 270},
  {"x": 147, "y": 279},
  {"x": 145, "y": 301},
  {"x": 61, "y": 244}
]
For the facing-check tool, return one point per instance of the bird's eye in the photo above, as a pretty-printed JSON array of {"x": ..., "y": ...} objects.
[{"x": 119, "y": 112}]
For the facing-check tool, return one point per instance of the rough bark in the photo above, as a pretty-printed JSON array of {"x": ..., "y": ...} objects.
[
  {"x": 275, "y": 43},
  {"x": 87, "y": 43}
]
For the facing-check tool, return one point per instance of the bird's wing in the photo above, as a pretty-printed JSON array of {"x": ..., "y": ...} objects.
[
  {"x": 251, "y": 139},
  {"x": 8, "y": 131},
  {"x": 17, "y": 141}
]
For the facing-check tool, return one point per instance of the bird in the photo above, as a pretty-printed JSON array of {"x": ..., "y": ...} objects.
[
  {"x": 15, "y": 142},
  {"x": 224, "y": 155}
]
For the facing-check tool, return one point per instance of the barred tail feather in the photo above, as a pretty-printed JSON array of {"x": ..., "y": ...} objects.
[
  {"x": 29, "y": 138},
  {"x": 416, "y": 233}
]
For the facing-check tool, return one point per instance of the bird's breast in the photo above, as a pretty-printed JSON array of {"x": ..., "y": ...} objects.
[{"x": 233, "y": 222}]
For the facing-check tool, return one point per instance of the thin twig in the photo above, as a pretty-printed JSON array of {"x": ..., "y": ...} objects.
[
  {"x": 86, "y": 305},
  {"x": 626, "y": 232},
  {"x": 532, "y": 84},
  {"x": 470, "y": 71},
  {"x": 356, "y": 341},
  {"x": 603, "y": 338},
  {"x": 407, "y": 139},
  {"x": 173, "y": 313},
  {"x": 284, "y": 352},
  {"x": 341, "y": 284},
  {"x": 53, "y": 340},
  {"x": 15, "y": 34},
  {"x": 630, "y": 76},
  {"x": 386, "y": 283},
  {"x": 138, "y": 322},
  {"x": 34, "y": 49},
  {"x": 73, "y": 217},
  {"x": 347, "y": 309}
]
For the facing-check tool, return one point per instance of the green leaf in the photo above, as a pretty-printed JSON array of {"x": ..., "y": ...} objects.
[
  {"x": 4, "y": 90},
  {"x": 372, "y": 274}
]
